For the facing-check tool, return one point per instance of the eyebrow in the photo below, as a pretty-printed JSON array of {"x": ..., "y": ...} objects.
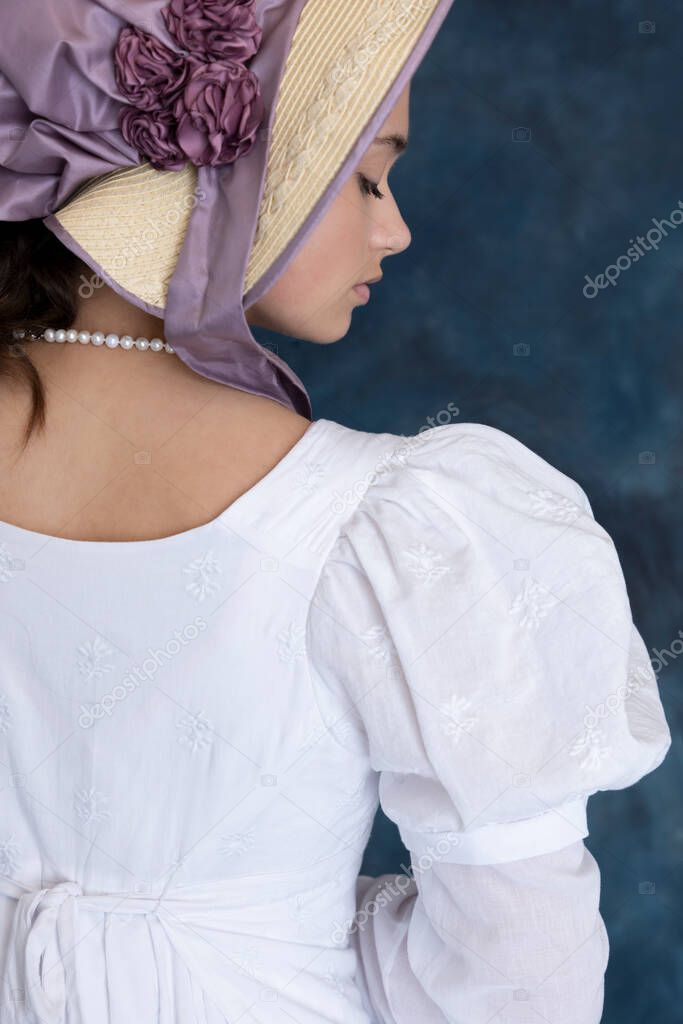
[{"x": 397, "y": 142}]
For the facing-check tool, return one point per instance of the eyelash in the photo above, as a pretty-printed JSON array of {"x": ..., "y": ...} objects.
[{"x": 370, "y": 188}]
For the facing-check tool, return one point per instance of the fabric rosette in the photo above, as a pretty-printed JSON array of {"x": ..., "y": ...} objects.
[
  {"x": 219, "y": 113},
  {"x": 201, "y": 104},
  {"x": 153, "y": 132},
  {"x": 214, "y": 30}
]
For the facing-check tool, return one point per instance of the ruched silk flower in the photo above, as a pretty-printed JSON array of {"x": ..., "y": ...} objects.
[
  {"x": 202, "y": 104},
  {"x": 214, "y": 29}
]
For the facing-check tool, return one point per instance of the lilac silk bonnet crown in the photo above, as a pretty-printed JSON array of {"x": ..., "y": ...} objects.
[{"x": 88, "y": 87}]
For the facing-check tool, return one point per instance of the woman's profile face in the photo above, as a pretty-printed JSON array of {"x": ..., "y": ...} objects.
[{"x": 314, "y": 297}]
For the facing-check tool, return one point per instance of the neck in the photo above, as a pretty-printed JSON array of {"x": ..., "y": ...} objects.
[
  {"x": 108, "y": 312},
  {"x": 125, "y": 379}
]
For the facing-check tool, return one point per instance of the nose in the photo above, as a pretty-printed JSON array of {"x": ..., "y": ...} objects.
[
  {"x": 399, "y": 242},
  {"x": 397, "y": 235}
]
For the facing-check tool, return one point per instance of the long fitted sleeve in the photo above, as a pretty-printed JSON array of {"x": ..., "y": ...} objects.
[
  {"x": 471, "y": 635},
  {"x": 465, "y": 944}
]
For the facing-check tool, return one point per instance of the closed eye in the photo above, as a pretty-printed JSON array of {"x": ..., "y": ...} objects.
[{"x": 369, "y": 188}]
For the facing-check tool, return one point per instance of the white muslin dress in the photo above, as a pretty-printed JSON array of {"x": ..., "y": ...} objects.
[{"x": 195, "y": 733}]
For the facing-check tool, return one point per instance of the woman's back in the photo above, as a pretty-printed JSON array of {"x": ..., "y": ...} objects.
[
  {"x": 133, "y": 449},
  {"x": 173, "y": 808},
  {"x": 195, "y": 732}
]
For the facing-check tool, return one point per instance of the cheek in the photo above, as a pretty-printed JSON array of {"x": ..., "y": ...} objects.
[
  {"x": 331, "y": 255},
  {"x": 324, "y": 269},
  {"x": 350, "y": 224},
  {"x": 338, "y": 242}
]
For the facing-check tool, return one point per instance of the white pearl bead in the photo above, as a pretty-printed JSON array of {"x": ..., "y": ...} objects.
[{"x": 110, "y": 340}]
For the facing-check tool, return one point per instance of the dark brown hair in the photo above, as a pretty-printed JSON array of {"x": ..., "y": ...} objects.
[{"x": 39, "y": 280}]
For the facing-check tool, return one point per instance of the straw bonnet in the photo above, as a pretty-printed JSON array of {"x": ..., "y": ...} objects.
[{"x": 185, "y": 150}]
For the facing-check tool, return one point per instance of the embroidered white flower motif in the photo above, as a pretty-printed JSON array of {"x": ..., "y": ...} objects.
[
  {"x": 333, "y": 979},
  {"x": 309, "y": 476},
  {"x": 5, "y": 715},
  {"x": 457, "y": 723},
  {"x": 197, "y": 731},
  {"x": 9, "y": 856},
  {"x": 425, "y": 563},
  {"x": 589, "y": 745},
  {"x": 351, "y": 796},
  {"x": 549, "y": 505},
  {"x": 335, "y": 882},
  {"x": 93, "y": 663},
  {"x": 345, "y": 726},
  {"x": 247, "y": 959},
  {"x": 301, "y": 907},
  {"x": 379, "y": 644},
  {"x": 238, "y": 843},
  {"x": 89, "y": 805},
  {"x": 532, "y": 603},
  {"x": 291, "y": 643},
  {"x": 8, "y": 565},
  {"x": 202, "y": 572}
]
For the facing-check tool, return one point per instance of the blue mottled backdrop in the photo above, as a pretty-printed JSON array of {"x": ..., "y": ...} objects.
[{"x": 545, "y": 138}]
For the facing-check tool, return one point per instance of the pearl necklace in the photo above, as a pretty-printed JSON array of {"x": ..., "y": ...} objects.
[{"x": 98, "y": 338}]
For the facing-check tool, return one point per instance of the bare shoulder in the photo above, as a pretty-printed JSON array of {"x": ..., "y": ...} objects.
[
  {"x": 235, "y": 439},
  {"x": 258, "y": 427}
]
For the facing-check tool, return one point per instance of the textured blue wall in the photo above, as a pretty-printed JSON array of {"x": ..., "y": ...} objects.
[{"x": 505, "y": 227}]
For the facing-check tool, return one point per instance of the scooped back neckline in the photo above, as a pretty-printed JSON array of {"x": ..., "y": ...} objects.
[{"x": 233, "y": 510}]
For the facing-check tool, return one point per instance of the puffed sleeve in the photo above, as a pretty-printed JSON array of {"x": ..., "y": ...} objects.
[{"x": 471, "y": 632}]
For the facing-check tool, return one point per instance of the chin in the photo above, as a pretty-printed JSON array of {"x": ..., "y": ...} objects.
[
  {"x": 319, "y": 330},
  {"x": 329, "y": 333}
]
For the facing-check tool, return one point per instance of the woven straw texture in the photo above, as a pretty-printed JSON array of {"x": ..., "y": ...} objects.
[
  {"x": 132, "y": 222},
  {"x": 343, "y": 59}
]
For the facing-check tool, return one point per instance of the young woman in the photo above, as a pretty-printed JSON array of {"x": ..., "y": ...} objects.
[{"x": 228, "y": 630}]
